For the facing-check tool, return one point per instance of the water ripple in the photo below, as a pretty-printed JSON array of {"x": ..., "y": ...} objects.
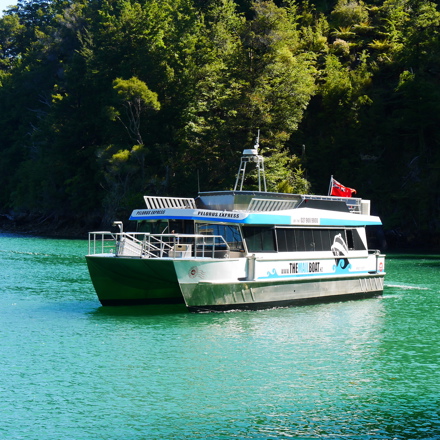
[{"x": 71, "y": 369}]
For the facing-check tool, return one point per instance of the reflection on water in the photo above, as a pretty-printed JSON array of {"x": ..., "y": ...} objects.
[
  {"x": 71, "y": 369},
  {"x": 140, "y": 311}
]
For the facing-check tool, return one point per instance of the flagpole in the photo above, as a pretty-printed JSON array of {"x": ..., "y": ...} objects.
[{"x": 330, "y": 187}]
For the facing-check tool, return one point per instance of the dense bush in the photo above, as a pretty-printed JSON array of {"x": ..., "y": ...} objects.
[{"x": 103, "y": 101}]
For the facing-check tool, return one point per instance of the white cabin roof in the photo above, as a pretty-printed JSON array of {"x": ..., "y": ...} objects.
[{"x": 261, "y": 208}]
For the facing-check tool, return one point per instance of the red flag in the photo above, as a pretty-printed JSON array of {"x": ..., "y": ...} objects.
[{"x": 339, "y": 190}]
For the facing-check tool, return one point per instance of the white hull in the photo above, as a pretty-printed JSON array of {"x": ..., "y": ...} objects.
[
  {"x": 257, "y": 283},
  {"x": 206, "y": 296}
]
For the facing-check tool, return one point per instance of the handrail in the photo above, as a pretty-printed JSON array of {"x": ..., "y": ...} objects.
[
  {"x": 105, "y": 248},
  {"x": 146, "y": 245},
  {"x": 353, "y": 203}
]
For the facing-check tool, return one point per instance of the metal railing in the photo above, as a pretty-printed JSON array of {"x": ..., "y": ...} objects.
[
  {"x": 353, "y": 204},
  {"x": 269, "y": 204},
  {"x": 264, "y": 205},
  {"x": 155, "y": 202},
  {"x": 145, "y": 245}
]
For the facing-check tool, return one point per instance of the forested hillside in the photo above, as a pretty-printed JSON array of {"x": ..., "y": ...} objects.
[{"x": 103, "y": 101}]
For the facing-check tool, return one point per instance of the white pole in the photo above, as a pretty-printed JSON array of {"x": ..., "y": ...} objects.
[{"x": 330, "y": 186}]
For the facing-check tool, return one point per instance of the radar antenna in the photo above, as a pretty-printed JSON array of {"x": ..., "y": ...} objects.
[
  {"x": 251, "y": 156},
  {"x": 257, "y": 141}
]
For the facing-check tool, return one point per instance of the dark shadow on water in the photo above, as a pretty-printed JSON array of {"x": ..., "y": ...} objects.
[
  {"x": 427, "y": 260},
  {"x": 148, "y": 310},
  {"x": 414, "y": 256}
]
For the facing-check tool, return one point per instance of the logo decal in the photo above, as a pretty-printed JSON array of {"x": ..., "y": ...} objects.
[
  {"x": 340, "y": 251},
  {"x": 195, "y": 272}
]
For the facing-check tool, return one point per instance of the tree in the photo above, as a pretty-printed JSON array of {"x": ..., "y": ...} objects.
[
  {"x": 136, "y": 98},
  {"x": 10, "y": 31}
]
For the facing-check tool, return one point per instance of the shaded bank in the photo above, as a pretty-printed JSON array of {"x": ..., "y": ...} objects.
[
  {"x": 59, "y": 228},
  {"x": 386, "y": 240},
  {"x": 102, "y": 102}
]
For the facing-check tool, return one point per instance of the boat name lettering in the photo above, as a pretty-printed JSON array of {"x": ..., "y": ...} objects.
[
  {"x": 302, "y": 267},
  {"x": 159, "y": 211},
  {"x": 218, "y": 214}
]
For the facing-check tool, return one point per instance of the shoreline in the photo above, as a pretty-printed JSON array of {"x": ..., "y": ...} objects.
[
  {"x": 46, "y": 230},
  {"x": 72, "y": 231}
]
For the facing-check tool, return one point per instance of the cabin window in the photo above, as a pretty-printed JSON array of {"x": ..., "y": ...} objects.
[
  {"x": 231, "y": 234},
  {"x": 354, "y": 241},
  {"x": 298, "y": 240},
  {"x": 177, "y": 226},
  {"x": 309, "y": 240},
  {"x": 306, "y": 240},
  {"x": 326, "y": 239},
  {"x": 259, "y": 239},
  {"x": 286, "y": 239},
  {"x": 166, "y": 226},
  {"x": 153, "y": 227},
  {"x": 333, "y": 233},
  {"x": 262, "y": 239}
]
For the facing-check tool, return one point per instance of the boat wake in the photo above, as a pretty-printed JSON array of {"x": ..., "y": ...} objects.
[
  {"x": 405, "y": 287},
  {"x": 25, "y": 253}
]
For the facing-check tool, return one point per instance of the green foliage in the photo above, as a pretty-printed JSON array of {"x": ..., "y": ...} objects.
[
  {"x": 136, "y": 97},
  {"x": 10, "y": 31},
  {"x": 349, "y": 13},
  {"x": 135, "y": 92},
  {"x": 104, "y": 101},
  {"x": 285, "y": 174}
]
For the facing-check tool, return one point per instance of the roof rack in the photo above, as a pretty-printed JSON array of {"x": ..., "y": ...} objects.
[
  {"x": 154, "y": 202},
  {"x": 262, "y": 205}
]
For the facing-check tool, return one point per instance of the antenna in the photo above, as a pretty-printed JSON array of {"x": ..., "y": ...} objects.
[
  {"x": 257, "y": 142},
  {"x": 251, "y": 156}
]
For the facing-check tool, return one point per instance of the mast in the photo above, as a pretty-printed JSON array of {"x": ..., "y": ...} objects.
[{"x": 251, "y": 156}]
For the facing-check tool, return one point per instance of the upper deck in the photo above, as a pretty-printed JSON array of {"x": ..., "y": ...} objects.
[
  {"x": 256, "y": 201},
  {"x": 254, "y": 207},
  {"x": 259, "y": 207}
]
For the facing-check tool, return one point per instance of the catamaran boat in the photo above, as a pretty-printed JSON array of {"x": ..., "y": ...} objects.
[{"x": 239, "y": 249}]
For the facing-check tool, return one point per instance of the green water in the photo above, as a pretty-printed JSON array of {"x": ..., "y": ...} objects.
[{"x": 71, "y": 369}]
